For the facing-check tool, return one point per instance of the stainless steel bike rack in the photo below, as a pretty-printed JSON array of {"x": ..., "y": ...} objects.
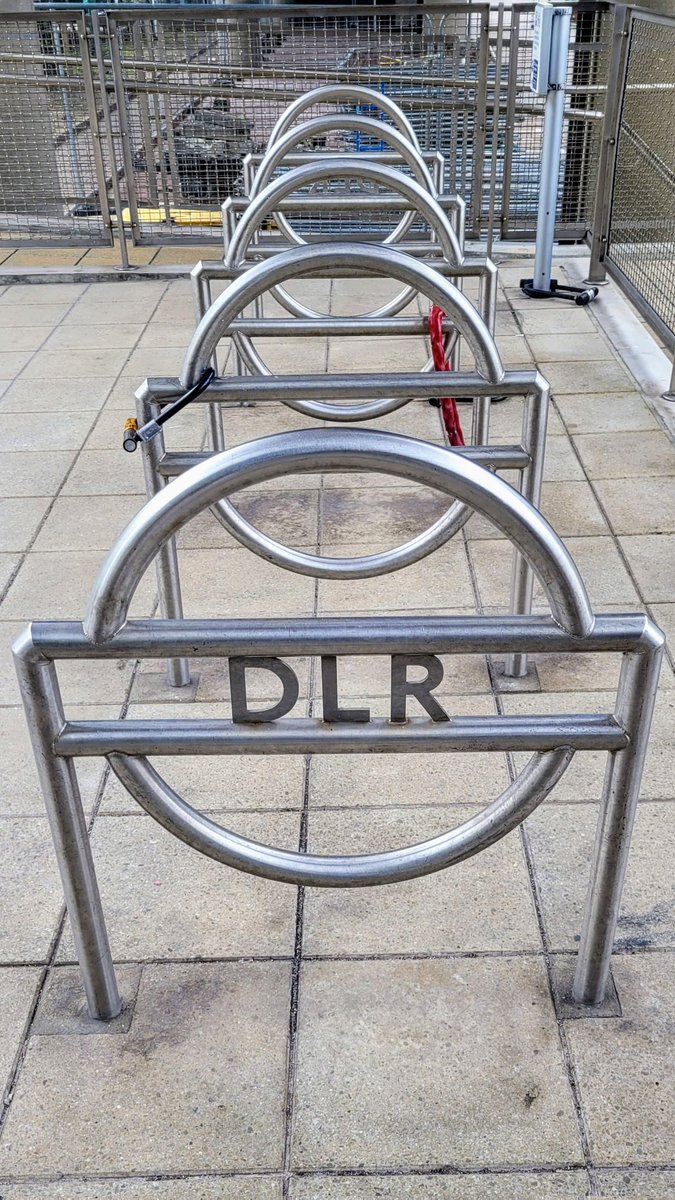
[
  {"x": 553, "y": 739},
  {"x": 332, "y": 397}
]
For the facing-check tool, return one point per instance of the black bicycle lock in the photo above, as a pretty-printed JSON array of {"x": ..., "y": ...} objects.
[{"x": 132, "y": 435}]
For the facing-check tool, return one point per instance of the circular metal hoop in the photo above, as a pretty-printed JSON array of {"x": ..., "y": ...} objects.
[
  {"x": 321, "y": 450},
  {"x": 307, "y": 260},
  {"x": 344, "y": 91},
  {"x": 497, "y": 819},
  {"x": 278, "y": 150},
  {"x": 334, "y": 93},
  {"x": 265, "y": 203}
]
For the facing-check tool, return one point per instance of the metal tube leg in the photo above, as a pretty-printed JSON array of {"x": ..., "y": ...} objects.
[
  {"x": 634, "y": 708},
  {"x": 535, "y": 421},
  {"x": 45, "y": 718},
  {"x": 214, "y": 413},
  {"x": 480, "y": 428},
  {"x": 166, "y": 562}
]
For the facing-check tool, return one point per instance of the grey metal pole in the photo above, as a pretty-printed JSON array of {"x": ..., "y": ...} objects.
[
  {"x": 45, "y": 720},
  {"x": 99, "y": 26},
  {"x": 69, "y": 120},
  {"x": 636, "y": 695},
  {"x": 535, "y": 421},
  {"x": 670, "y": 393},
  {"x": 602, "y": 213},
  {"x": 201, "y": 285},
  {"x": 166, "y": 563},
  {"x": 554, "y": 114}
]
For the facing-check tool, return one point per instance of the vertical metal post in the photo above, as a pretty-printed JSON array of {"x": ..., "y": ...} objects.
[
  {"x": 479, "y": 123},
  {"x": 214, "y": 412},
  {"x": 166, "y": 562},
  {"x": 125, "y": 142},
  {"x": 160, "y": 50},
  {"x": 616, "y": 82},
  {"x": 636, "y": 695},
  {"x": 45, "y": 718},
  {"x": 99, "y": 26},
  {"x": 496, "y": 110},
  {"x": 69, "y": 120},
  {"x": 535, "y": 422},
  {"x": 670, "y": 394},
  {"x": 554, "y": 115},
  {"x": 509, "y": 128},
  {"x": 92, "y": 110},
  {"x": 138, "y": 39}
]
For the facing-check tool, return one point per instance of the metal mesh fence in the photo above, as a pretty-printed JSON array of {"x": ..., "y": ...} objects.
[
  {"x": 172, "y": 99},
  {"x": 51, "y": 184},
  {"x": 642, "y": 231}
]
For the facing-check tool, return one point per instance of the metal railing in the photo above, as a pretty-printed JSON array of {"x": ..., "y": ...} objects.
[
  {"x": 137, "y": 120},
  {"x": 634, "y": 228},
  {"x": 140, "y": 117}
]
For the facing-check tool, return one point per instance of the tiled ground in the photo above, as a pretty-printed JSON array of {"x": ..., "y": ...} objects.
[{"x": 397, "y": 1043}]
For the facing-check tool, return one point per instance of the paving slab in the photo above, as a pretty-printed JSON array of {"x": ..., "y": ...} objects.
[
  {"x": 63, "y": 364},
  {"x": 30, "y": 911},
  {"x": 598, "y": 559},
  {"x": 163, "y": 900},
  {"x": 61, "y": 395},
  {"x": 482, "y": 904},
  {"x": 169, "y": 1096},
  {"x": 629, "y": 1062},
  {"x": 442, "y": 581},
  {"x": 561, "y": 838},
  {"x": 236, "y": 583},
  {"x": 20, "y": 792},
  {"x": 424, "y": 1063},
  {"x": 194, "y": 1187},
  {"x": 620, "y": 455},
  {"x": 570, "y": 506},
  {"x": 652, "y": 560},
  {"x": 75, "y": 523},
  {"x": 583, "y": 778},
  {"x": 18, "y": 986},
  {"x": 105, "y": 473},
  {"x": 52, "y": 293},
  {"x": 31, "y": 473},
  {"x": 8, "y": 565},
  {"x": 604, "y": 412},
  {"x": 646, "y": 506},
  {"x": 542, "y": 1185},
  {"x": 637, "y": 1185},
  {"x": 43, "y": 434},
  {"x": 57, "y": 584}
]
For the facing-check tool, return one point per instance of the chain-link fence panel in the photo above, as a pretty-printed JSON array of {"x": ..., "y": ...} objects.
[
  {"x": 52, "y": 181},
  {"x": 642, "y": 227},
  {"x": 151, "y": 111}
]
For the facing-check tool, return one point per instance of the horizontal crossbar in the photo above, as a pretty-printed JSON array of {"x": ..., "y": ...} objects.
[
  {"x": 327, "y": 388},
  {"x": 499, "y": 458},
  {"x": 612, "y": 632},
  {"x": 308, "y": 736}
]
